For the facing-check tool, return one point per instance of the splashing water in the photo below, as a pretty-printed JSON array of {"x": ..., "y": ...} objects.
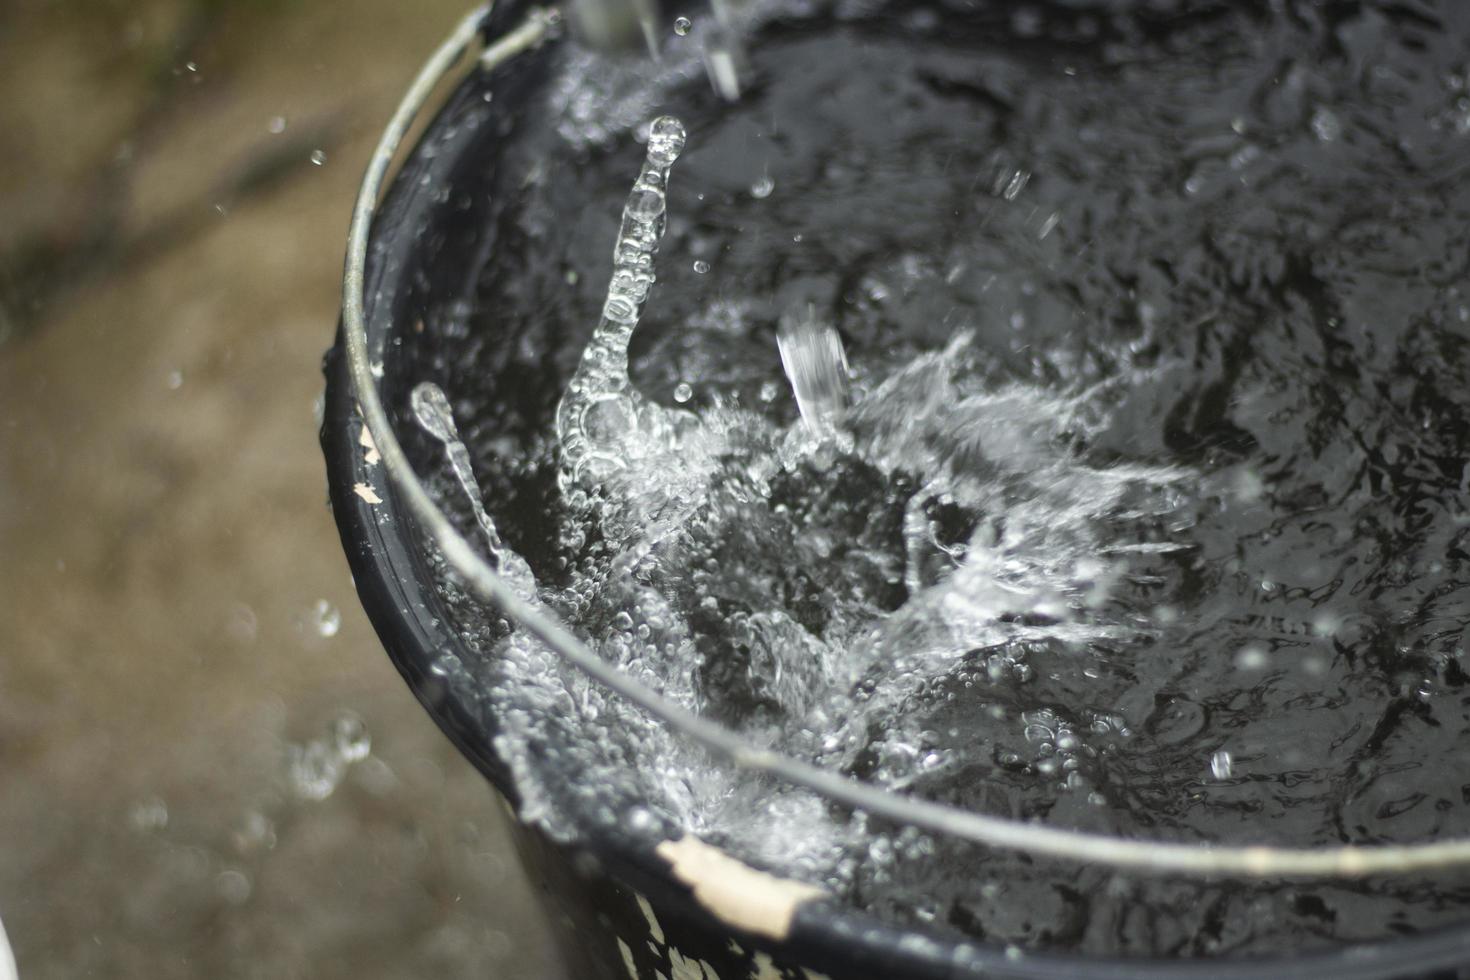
[
  {"x": 955, "y": 566},
  {"x": 811, "y": 583},
  {"x": 432, "y": 411},
  {"x": 601, "y": 412},
  {"x": 816, "y": 365}
]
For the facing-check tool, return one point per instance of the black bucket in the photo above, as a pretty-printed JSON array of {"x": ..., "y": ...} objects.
[{"x": 629, "y": 905}]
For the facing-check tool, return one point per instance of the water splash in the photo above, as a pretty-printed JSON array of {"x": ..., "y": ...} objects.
[
  {"x": 435, "y": 416},
  {"x": 600, "y": 410},
  {"x": 744, "y": 568},
  {"x": 816, "y": 365}
]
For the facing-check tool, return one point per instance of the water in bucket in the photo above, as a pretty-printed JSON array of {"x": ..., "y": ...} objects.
[{"x": 1085, "y": 443}]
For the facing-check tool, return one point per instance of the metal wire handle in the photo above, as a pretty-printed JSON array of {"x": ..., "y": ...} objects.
[{"x": 997, "y": 832}]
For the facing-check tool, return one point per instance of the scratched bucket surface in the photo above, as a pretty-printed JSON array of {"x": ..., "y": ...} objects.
[{"x": 632, "y": 904}]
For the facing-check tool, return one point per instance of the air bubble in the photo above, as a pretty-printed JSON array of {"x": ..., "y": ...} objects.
[{"x": 645, "y": 204}]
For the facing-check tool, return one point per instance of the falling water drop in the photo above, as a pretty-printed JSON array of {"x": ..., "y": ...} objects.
[
  {"x": 816, "y": 365},
  {"x": 314, "y": 770},
  {"x": 326, "y": 618},
  {"x": 724, "y": 61},
  {"x": 350, "y": 736}
]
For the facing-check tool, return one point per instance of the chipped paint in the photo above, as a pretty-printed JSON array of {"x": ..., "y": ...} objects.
[
  {"x": 680, "y": 967},
  {"x": 735, "y": 893},
  {"x": 766, "y": 969},
  {"x": 687, "y": 968},
  {"x": 366, "y": 493},
  {"x": 653, "y": 926},
  {"x": 365, "y": 440}
]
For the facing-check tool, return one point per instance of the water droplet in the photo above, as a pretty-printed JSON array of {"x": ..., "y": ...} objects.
[
  {"x": 1326, "y": 125},
  {"x": 701, "y": 266},
  {"x": 318, "y": 157},
  {"x": 255, "y": 832},
  {"x": 314, "y": 770},
  {"x": 762, "y": 188},
  {"x": 232, "y": 886},
  {"x": 1220, "y": 764},
  {"x": 1248, "y": 486},
  {"x": 175, "y": 380},
  {"x": 682, "y": 392},
  {"x": 149, "y": 814},
  {"x": 1252, "y": 657},
  {"x": 665, "y": 140},
  {"x": 350, "y": 736},
  {"x": 325, "y": 618},
  {"x": 682, "y": 25},
  {"x": 276, "y": 125},
  {"x": 724, "y": 61},
  {"x": 1027, "y": 21},
  {"x": 816, "y": 365}
]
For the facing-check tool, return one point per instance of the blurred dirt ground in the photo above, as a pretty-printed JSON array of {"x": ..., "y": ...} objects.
[{"x": 175, "y": 181}]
